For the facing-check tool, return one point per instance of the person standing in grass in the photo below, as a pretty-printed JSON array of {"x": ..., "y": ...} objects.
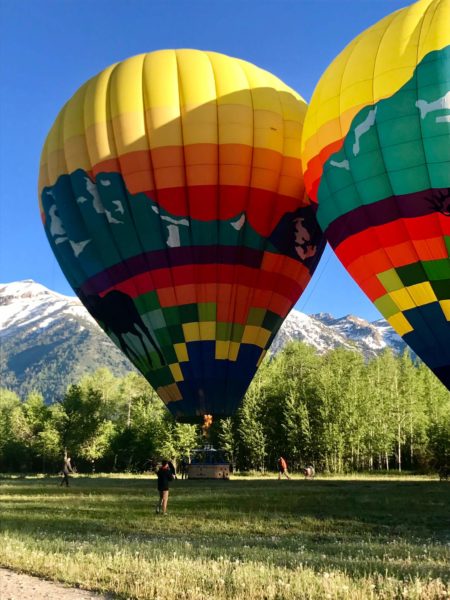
[
  {"x": 172, "y": 469},
  {"x": 67, "y": 468},
  {"x": 165, "y": 476},
  {"x": 282, "y": 468},
  {"x": 309, "y": 472},
  {"x": 184, "y": 468}
]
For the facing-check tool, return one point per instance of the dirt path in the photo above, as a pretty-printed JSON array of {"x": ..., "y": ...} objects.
[{"x": 17, "y": 586}]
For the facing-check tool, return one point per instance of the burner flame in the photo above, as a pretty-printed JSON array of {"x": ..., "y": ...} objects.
[{"x": 207, "y": 422}]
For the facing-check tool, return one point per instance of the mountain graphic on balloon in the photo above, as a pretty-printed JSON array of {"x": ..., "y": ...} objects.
[{"x": 172, "y": 195}]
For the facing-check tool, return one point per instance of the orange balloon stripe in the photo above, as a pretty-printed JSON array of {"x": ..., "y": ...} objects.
[
  {"x": 229, "y": 164},
  {"x": 286, "y": 266},
  {"x": 209, "y": 274},
  {"x": 224, "y": 295},
  {"x": 417, "y": 233},
  {"x": 314, "y": 169},
  {"x": 200, "y": 164}
]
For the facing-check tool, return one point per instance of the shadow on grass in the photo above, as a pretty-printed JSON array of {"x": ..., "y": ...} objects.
[
  {"x": 359, "y": 527},
  {"x": 419, "y": 507}
]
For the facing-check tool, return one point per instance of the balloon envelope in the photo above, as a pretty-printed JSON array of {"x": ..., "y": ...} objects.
[
  {"x": 376, "y": 156},
  {"x": 172, "y": 195}
]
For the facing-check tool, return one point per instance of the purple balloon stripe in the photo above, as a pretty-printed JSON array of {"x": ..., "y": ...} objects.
[
  {"x": 385, "y": 211},
  {"x": 169, "y": 258}
]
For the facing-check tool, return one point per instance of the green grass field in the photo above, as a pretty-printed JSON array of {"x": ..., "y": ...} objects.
[{"x": 249, "y": 538}]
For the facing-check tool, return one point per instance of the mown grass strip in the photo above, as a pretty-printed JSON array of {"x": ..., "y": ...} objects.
[{"x": 252, "y": 538}]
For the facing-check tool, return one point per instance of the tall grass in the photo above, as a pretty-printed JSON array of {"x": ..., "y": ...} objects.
[{"x": 244, "y": 539}]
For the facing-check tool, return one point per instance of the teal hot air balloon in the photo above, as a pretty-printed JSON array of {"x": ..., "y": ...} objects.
[
  {"x": 376, "y": 154},
  {"x": 172, "y": 195}
]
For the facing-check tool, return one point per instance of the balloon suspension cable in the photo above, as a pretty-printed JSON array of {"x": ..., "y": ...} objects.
[
  {"x": 207, "y": 422},
  {"x": 311, "y": 289}
]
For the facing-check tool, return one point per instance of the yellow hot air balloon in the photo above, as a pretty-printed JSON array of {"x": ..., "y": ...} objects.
[
  {"x": 376, "y": 156},
  {"x": 172, "y": 195}
]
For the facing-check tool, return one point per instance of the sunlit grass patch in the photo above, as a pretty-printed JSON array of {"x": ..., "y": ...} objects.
[{"x": 247, "y": 538}]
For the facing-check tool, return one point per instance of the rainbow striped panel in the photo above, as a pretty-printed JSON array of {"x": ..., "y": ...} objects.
[
  {"x": 172, "y": 195},
  {"x": 376, "y": 154}
]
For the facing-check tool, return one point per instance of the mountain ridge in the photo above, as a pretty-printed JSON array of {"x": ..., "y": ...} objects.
[{"x": 48, "y": 340}]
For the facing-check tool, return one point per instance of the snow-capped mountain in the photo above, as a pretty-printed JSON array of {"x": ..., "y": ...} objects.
[
  {"x": 48, "y": 340},
  {"x": 325, "y": 332},
  {"x": 26, "y": 304}
]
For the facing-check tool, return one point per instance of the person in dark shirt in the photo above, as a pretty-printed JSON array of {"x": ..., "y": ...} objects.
[
  {"x": 184, "y": 468},
  {"x": 67, "y": 468},
  {"x": 172, "y": 469},
  {"x": 165, "y": 476}
]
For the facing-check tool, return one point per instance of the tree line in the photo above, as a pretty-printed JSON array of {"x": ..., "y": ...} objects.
[{"x": 335, "y": 411}]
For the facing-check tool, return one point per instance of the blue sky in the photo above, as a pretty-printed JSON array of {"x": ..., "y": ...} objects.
[{"x": 48, "y": 48}]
